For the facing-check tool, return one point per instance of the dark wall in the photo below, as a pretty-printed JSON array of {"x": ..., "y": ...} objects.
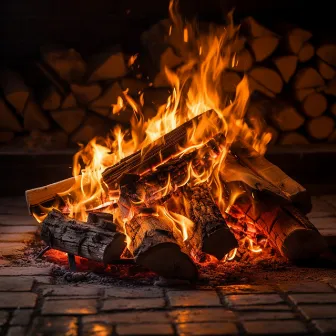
[{"x": 92, "y": 24}]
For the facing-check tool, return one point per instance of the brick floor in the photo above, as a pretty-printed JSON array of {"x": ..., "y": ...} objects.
[{"x": 31, "y": 305}]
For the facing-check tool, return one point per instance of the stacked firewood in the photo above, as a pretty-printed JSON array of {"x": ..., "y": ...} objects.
[{"x": 62, "y": 99}]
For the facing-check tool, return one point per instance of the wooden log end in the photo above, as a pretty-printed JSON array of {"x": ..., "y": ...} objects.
[{"x": 167, "y": 260}]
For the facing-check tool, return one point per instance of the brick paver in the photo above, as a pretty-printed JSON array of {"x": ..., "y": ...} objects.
[
  {"x": 193, "y": 298},
  {"x": 275, "y": 328},
  {"x": 69, "y": 307},
  {"x": 253, "y": 299},
  {"x": 54, "y": 326},
  {"x": 97, "y": 328},
  {"x": 21, "y": 317},
  {"x": 17, "y": 299},
  {"x": 202, "y": 315},
  {"x": 16, "y": 284},
  {"x": 70, "y": 290},
  {"x": 14, "y": 271},
  {"x": 141, "y": 292},
  {"x": 145, "y": 329},
  {"x": 17, "y": 331},
  {"x": 211, "y": 328},
  {"x": 126, "y": 304},
  {"x": 306, "y": 287},
  {"x": 266, "y": 315},
  {"x": 247, "y": 289},
  {"x": 313, "y": 298},
  {"x": 318, "y": 312},
  {"x": 4, "y": 315}
]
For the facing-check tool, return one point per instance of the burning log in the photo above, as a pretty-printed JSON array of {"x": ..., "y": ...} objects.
[
  {"x": 210, "y": 234},
  {"x": 95, "y": 242},
  {"x": 287, "y": 229}
]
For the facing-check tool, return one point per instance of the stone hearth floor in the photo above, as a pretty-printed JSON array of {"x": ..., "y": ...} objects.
[{"x": 33, "y": 303}]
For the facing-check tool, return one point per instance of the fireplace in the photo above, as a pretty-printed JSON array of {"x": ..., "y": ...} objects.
[{"x": 167, "y": 133}]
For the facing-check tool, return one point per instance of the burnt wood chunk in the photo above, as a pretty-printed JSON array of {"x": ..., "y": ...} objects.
[
  {"x": 154, "y": 246},
  {"x": 102, "y": 220},
  {"x": 210, "y": 234},
  {"x": 288, "y": 230},
  {"x": 82, "y": 239}
]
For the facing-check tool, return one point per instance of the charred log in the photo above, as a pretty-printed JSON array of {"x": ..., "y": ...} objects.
[{"x": 82, "y": 239}]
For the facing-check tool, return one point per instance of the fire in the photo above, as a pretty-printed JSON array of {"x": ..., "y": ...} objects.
[{"x": 196, "y": 88}]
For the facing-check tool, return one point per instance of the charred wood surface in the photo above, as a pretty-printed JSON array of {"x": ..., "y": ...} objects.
[
  {"x": 82, "y": 239},
  {"x": 286, "y": 228},
  {"x": 211, "y": 233}
]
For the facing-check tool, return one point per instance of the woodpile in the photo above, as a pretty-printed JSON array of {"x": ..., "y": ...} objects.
[
  {"x": 148, "y": 197},
  {"x": 292, "y": 71}
]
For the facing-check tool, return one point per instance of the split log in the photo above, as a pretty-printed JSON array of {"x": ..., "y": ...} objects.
[
  {"x": 330, "y": 89},
  {"x": 286, "y": 66},
  {"x": 302, "y": 94},
  {"x": 67, "y": 63},
  {"x": 293, "y": 138},
  {"x": 33, "y": 117},
  {"x": 229, "y": 81},
  {"x": 69, "y": 120},
  {"x": 255, "y": 29},
  {"x": 333, "y": 109},
  {"x": 296, "y": 38},
  {"x": 306, "y": 52},
  {"x": 327, "y": 53},
  {"x": 169, "y": 59},
  {"x": 69, "y": 102},
  {"x": 243, "y": 61},
  {"x": 308, "y": 78},
  {"x": 8, "y": 120},
  {"x": 285, "y": 117},
  {"x": 82, "y": 239},
  {"x": 264, "y": 46},
  {"x": 267, "y": 78},
  {"x": 261, "y": 167},
  {"x": 314, "y": 105},
  {"x": 326, "y": 71},
  {"x": 86, "y": 93},
  {"x": 321, "y": 127},
  {"x": 15, "y": 90},
  {"x": 286, "y": 228},
  {"x": 107, "y": 65},
  {"x": 51, "y": 99},
  {"x": 210, "y": 233}
]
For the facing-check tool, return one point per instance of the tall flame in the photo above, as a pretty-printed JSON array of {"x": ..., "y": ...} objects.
[{"x": 196, "y": 88}]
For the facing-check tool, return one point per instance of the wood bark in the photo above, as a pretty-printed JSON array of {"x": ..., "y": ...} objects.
[
  {"x": 286, "y": 228},
  {"x": 82, "y": 239},
  {"x": 210, "y": 233}
]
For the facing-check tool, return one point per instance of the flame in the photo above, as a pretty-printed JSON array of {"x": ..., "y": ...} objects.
[{"x": 196, "y": 88}]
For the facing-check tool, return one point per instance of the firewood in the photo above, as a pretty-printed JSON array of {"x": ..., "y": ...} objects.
[
  {"x": 330, "y": 88},
  {"x": 161, "y": 80},
  {"x": 255, "y": 29},
  {"x": 332, "y": 137},
  {"x": 238, "y": 44},
  {"x": 256, "y": 86},
  {"x": 258, "y": 164},
  {"x": 33, "y": 116},
  {"x": 8, "y": 120},
  {"x": 327, "y": 53},
  {"x": 67, "y": 63},
  {"x": 86, "y": 93},
  {"x": 314, "y": 105},
  {"x": 308, "y": 78},
  {"x": 326, "y": 71},
  {"x": 154, "y": 246},
  {"x": 69, "y": 102},
  {"x": 107, "y": 65},
  {"x": 306, "y": 52},
  {"x": 243, "y": 61},
  {"x": 286, "y": 117},
  {"x": 102, "y": 220},
  {"x": 91, "y": 127},
  {"x": 333, "y": 109},
  {"x": 210, "y": 234},
  {"x": 321, "y": 127},
  {"x": 229, "y": 81},
  {"x": 52, "y": 139},
  {"x": 263, "y": 47},
  {"x": 286, "y": 228},
  {"x": 103, "y": 104},
  {"x": 15, "y": 90},
  {"x": 296, "y": 39},
  {"x": 302, "y": 94},
  {"x": 6, "y": 136},
  {"x": 169, "y": 59},
  {"x": 286, "y": 66},
  {"x": 267, "y": 78},
  {"x": 82, "y": 239},
  {"x": 293, "y": 138},
  {"x": 51, "y": 99},
  {"x": 70, "y": 119}
]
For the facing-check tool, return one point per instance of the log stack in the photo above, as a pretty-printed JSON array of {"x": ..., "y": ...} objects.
[{"x": 62, "y": 99}]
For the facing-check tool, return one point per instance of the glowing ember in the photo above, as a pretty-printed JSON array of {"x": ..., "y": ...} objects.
[{"x": 196, "y": 88}]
